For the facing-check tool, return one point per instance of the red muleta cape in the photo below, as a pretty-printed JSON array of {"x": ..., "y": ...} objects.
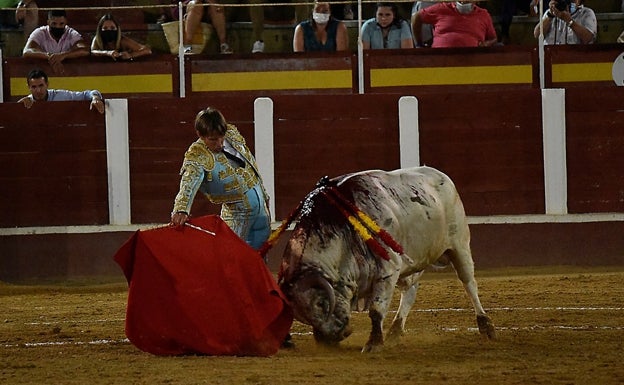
[{"x": 191, "y": 292}]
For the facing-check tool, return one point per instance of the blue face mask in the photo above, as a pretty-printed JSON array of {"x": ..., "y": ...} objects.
[{"x": 573, "y": 8}]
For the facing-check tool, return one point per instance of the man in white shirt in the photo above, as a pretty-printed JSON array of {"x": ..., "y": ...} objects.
[{"x": 568, "y": 22}]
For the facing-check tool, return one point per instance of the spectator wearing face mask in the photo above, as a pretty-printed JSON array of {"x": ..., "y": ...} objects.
[
  {"x": 55, "y": 42},
  {"x": 109, "y": 41},
  {"x": 321, "y": 33},
  {"x": 386, "y": 29},
  {"x": 457, "y": 24},
  {"x": 568, "y": 22}
]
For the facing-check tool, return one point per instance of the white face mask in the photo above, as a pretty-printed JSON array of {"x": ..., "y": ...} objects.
[
  {"x": 463, "y": 8},
  {"x": 320, "y": 18}
]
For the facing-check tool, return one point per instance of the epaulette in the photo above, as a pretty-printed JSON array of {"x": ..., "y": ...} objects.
[
  {"x": 199, "y": 154},
  {"x": 233, "y": 135}
]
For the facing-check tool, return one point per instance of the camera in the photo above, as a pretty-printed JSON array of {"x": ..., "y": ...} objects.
[{"x": 562, "y": 5}]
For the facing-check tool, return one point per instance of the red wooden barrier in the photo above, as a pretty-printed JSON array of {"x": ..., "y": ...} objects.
[
  {"x": 330, "y": 135},
  {"x": 580, "y": 65},
  {"x": 443, "y": 69},
  {"x": 309, "y": 73},
  {"x": 595, "y": 139},
  {"x": 490, "y": 144},
  {"x": 54, "y": 169},
  {"x": 156, "y": 75}
]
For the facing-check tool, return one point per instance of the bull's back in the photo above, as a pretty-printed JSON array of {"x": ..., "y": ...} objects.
[{"x": 418, "y": 206}]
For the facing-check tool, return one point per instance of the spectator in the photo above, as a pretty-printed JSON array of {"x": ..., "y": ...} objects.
[
  {"x": 321, "y": 33},
  {"x": 37, "y": 81},
  {"x": 256, "y": 13},
  {"x": 27, "y": 14},
  {"x": 193, "y": 18},
  {"x": 55, "y": 42},
  {"x": 427, "y": 29},
  {"x": 220, "y": 165},
  {"x": 457, "y": 24},
  {"x": 568, "y": 22},
  {"x": 109, "y": 41},
  {"x": 511, "y": 8},
  {"x": 386, "y": 29}
]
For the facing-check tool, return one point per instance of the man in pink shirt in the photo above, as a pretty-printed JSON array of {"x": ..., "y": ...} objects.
[
  {"x": 456, "y": 24},
  {"x": 55, "y": 42}
]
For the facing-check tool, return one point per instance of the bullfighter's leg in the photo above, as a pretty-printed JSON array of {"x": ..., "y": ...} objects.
[
  {"x": 409, "y": 288},
  {"x": 381, "y": 298},
  {"x": 464, "y": 266}
]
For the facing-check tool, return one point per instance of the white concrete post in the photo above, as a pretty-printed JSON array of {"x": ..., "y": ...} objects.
[
  {"x": 263, "y": 139},
  {"x": 118, "y": 161},
  {"x": 554, "y": 138},
  {"x": 181, "y": 51},
  {"x": 409, "y": 139}
]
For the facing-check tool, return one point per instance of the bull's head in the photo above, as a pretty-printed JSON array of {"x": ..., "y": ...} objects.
[
  {"x": 315, "y": 302},
  {"x": 321, "y": 246}
]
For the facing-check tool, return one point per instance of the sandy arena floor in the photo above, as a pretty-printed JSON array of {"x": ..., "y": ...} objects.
[{"x": 561, "y": 325}]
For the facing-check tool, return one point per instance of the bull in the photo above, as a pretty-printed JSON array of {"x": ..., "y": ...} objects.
[{"x": 338, "y": 260}]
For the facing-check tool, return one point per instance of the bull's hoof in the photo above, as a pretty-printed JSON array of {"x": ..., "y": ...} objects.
[
  {"x": 374, "y": 344},
  {"x": 486, "y": 327},
  {"x": 369, "y": 348},
  {"x": 394, "y": 333}
]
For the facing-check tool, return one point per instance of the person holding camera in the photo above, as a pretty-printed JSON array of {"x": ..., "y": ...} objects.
[{"x": 568, "y": 22}]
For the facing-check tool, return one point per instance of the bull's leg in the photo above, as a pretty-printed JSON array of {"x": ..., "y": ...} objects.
[
  {"x": 375, "y": 339},
  {"x": 409, "y": 288},
  {"x": 464, "y": 266},
  {"x": 381, "y": 298}
]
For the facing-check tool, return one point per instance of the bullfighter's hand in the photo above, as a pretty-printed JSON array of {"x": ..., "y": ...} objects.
[{"x": 178, "y": 219}]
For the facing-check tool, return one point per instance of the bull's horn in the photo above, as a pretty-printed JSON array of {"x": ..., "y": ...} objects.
[{"x": 317, "y": 281}]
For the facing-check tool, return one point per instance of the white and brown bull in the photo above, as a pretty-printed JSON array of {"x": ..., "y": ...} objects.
[{"x": 337, "y": 257}]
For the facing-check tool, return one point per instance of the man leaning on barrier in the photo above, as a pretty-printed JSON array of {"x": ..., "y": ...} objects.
[{"x": 38, "y": 84}]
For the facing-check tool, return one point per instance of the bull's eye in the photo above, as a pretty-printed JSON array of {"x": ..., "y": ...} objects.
[{"x": 322, "y": 305}]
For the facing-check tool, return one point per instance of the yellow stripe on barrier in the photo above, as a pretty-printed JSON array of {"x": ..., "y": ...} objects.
[
  {"x": 424, "y": 76},
  {"x": 271, "y": 80},
  {"x": 119, "y": 84},
  {"x": 582, "y": 72}
]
